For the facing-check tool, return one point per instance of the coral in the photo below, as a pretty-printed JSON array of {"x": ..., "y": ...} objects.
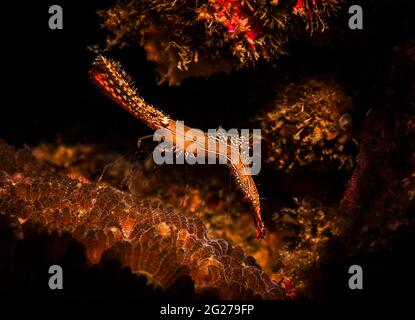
[
  {"x": 111, "y": 224},
  {"x": 75, "y": 161},
  {"x": 309, "y": 122},
  {"x": 305, "y": 231},
  {"x": 199, "y": 38},
  {"x": 28, "y": 250},
  {"x": 203, "y": 191}
]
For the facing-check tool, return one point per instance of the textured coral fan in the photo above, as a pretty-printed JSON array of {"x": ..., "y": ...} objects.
[
  {"x": 309, "y": 122},
  {"x": 202, "y": 37},
  {"x": 206, "y": 194},
  {"x": 149, "y": 239},
  {"x": 28, "y": 249}
]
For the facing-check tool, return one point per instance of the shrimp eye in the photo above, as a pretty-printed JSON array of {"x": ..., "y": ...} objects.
[{"x": 345, "y": 122}]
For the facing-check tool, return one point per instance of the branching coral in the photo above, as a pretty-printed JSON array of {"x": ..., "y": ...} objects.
[{"x": 111, "y": 224}]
